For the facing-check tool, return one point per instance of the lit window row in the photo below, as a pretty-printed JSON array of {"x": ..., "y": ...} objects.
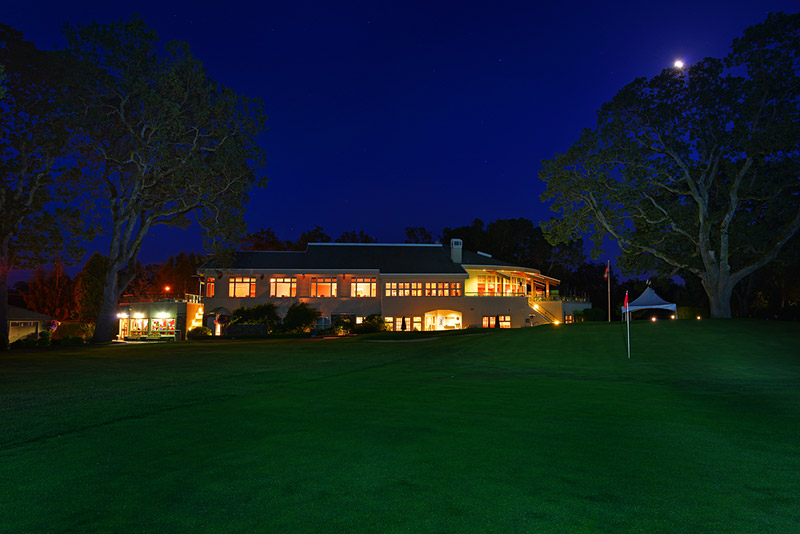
[
  {"x": 404, "y": 289},
  {"x": 491, "y": 321}
]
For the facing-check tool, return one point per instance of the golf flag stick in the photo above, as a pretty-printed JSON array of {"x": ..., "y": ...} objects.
[
  {"x": 628, "y": 320},
  {"x": 608, "y": 282}
]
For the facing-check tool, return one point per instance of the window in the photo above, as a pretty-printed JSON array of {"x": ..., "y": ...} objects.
[
  {"x": 210, "y": 286},
  {"x": 490, "y": 321},
  {"x": 283, "y": 287},
  {"x": 322, "y": 323},
  {"x": 241, "y": 286},
  {"x": 404, "y": 289},
  {"x": 323, "y": 287},
  {"x": 362, "y": 287},
  {"x": 442, "y": 289},
  {"x": 411, "y": 324}
]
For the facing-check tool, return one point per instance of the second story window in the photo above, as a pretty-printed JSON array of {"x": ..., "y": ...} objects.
[
  {"x": 283, "y": 287},
  {"x": 442, "y": 289},
  {"x": 241, "y": 286},
  {"x": 323, "y": 287},
  {"x": 404, "y": 289},
  {"x": 362, "y": 287},
  {"x": 210, "y": 286}
]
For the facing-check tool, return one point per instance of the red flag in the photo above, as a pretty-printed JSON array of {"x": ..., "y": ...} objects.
[
  {"x": 605, "y": 276},
  {"x": 626, "y": 301}
]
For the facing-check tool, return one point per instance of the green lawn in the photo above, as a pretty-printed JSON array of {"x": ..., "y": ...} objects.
[{"x": 536, "y": 430}]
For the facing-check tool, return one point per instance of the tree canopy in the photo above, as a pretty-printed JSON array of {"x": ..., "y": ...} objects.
[
  {"x": 694, "y": 170},
  {"x": 159, "y": 143},
  {"x": 36, "y": 225}
]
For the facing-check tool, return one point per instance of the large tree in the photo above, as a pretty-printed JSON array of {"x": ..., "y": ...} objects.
[
  {"x": 34, "y": 133},
  {"x": 696, "y": 169},
  {"x": 161, "y": 143}
]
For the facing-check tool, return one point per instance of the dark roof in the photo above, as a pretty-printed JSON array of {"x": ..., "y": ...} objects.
[
  {"x": 407, "y": 259},
  {"x": 21, "y": 314},
  {"x": 385, "y": 258}
]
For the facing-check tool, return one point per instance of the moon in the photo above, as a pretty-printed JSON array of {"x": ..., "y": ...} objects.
[{"x": 678, "y": 64}]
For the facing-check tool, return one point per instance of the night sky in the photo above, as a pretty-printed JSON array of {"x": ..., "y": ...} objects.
[{"x": 386, "y": 115}]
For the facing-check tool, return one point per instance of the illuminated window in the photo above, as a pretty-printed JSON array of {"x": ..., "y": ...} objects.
[
  {"x": 389, "y": 323},
  {"x": 363, "y": 287},
  {"x": 163, "y": 326},
  {"x": 490, "y": 321},
  {"x": 411, "y": 324},
  {"x": 283, "y": 287},
  {"x": 241, "y": 286},
  {"x": 210, "y": 286},
  {"x": 442, "y": 289},
  {"x": 323, "y": 287},
  {"x": 404, "y": 289}
]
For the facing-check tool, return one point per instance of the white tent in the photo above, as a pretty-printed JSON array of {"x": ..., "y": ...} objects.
[{"x": 650, "y": 300}]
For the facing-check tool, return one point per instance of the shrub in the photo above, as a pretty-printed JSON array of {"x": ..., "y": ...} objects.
[
  {"x": 261, "y": 314},
  {"x": 25, "y": 343},
  {"x": 300, "y": 317},
  {"x": 44, "y": 339},
  {"x": 691, "y": 312},
  {"x": 343, "y": 325},
  {"x": 73, "y": 329},
  {"x": 199, "y": 332},
  {"x": 594, "y": 314},
  {"x": 370, "y": 325}
]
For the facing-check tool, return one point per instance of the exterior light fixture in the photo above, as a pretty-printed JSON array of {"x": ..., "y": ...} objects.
[
  {"x": 698, "y": 317},
  {"x": 653, "y": 319},
  {"x": 166, "y": 289},
  {"x": 122, "y": 315},
  {"x": 672, "y": 316},
  {"x": 556, "y": 322}
]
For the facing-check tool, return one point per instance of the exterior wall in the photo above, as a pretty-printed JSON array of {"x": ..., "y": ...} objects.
[
  {"x": 472, "y": 308},
  {"x": 30, "y": 327},
  {"x": 158, "y": 310}
]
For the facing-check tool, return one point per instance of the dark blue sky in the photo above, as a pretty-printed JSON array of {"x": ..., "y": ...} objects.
[{"x": 385, "y": 115}]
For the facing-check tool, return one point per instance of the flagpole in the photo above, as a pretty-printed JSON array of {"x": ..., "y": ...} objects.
[
  {"x": 608, "y": 279},
  {"x": 628, "y": 320}
]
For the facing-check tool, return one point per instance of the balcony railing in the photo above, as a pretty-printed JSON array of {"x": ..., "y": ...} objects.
[{"x": 188, "y": 297}]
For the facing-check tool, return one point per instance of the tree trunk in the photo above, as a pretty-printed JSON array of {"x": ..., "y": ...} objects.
[
  {"x": 4, "y": 267},
  {"x": 106, "y": 319},
  {"x": 719, "y": 291}
]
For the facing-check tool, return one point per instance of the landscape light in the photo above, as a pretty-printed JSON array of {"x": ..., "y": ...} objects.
[
  {"x": 698, "y": 317},
  {"x": 556, "y": 322},
  {"x": 672, "y": 316},
  {"x": 653, "y": 319}
]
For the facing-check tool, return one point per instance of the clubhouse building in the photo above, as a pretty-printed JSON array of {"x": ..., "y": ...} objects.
[{"x": 412, "y": 286}]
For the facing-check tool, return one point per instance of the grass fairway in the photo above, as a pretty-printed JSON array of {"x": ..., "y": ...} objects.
[{"x": 532, "y": 430}]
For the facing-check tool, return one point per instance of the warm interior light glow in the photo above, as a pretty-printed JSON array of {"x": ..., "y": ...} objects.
[
  {"x": 139, "y": 315},
  {"x": 678, "y": 64},
  {"x": 162, "y": 315},
  {"x": 535, "y": 306},
  {"x": 122, "y": 316}
]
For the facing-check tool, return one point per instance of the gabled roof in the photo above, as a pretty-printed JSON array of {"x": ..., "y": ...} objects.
[{"x": 21, "y": 314}]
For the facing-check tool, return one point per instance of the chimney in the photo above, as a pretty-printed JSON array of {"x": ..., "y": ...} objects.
[{"x": 455, "y": 250}]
